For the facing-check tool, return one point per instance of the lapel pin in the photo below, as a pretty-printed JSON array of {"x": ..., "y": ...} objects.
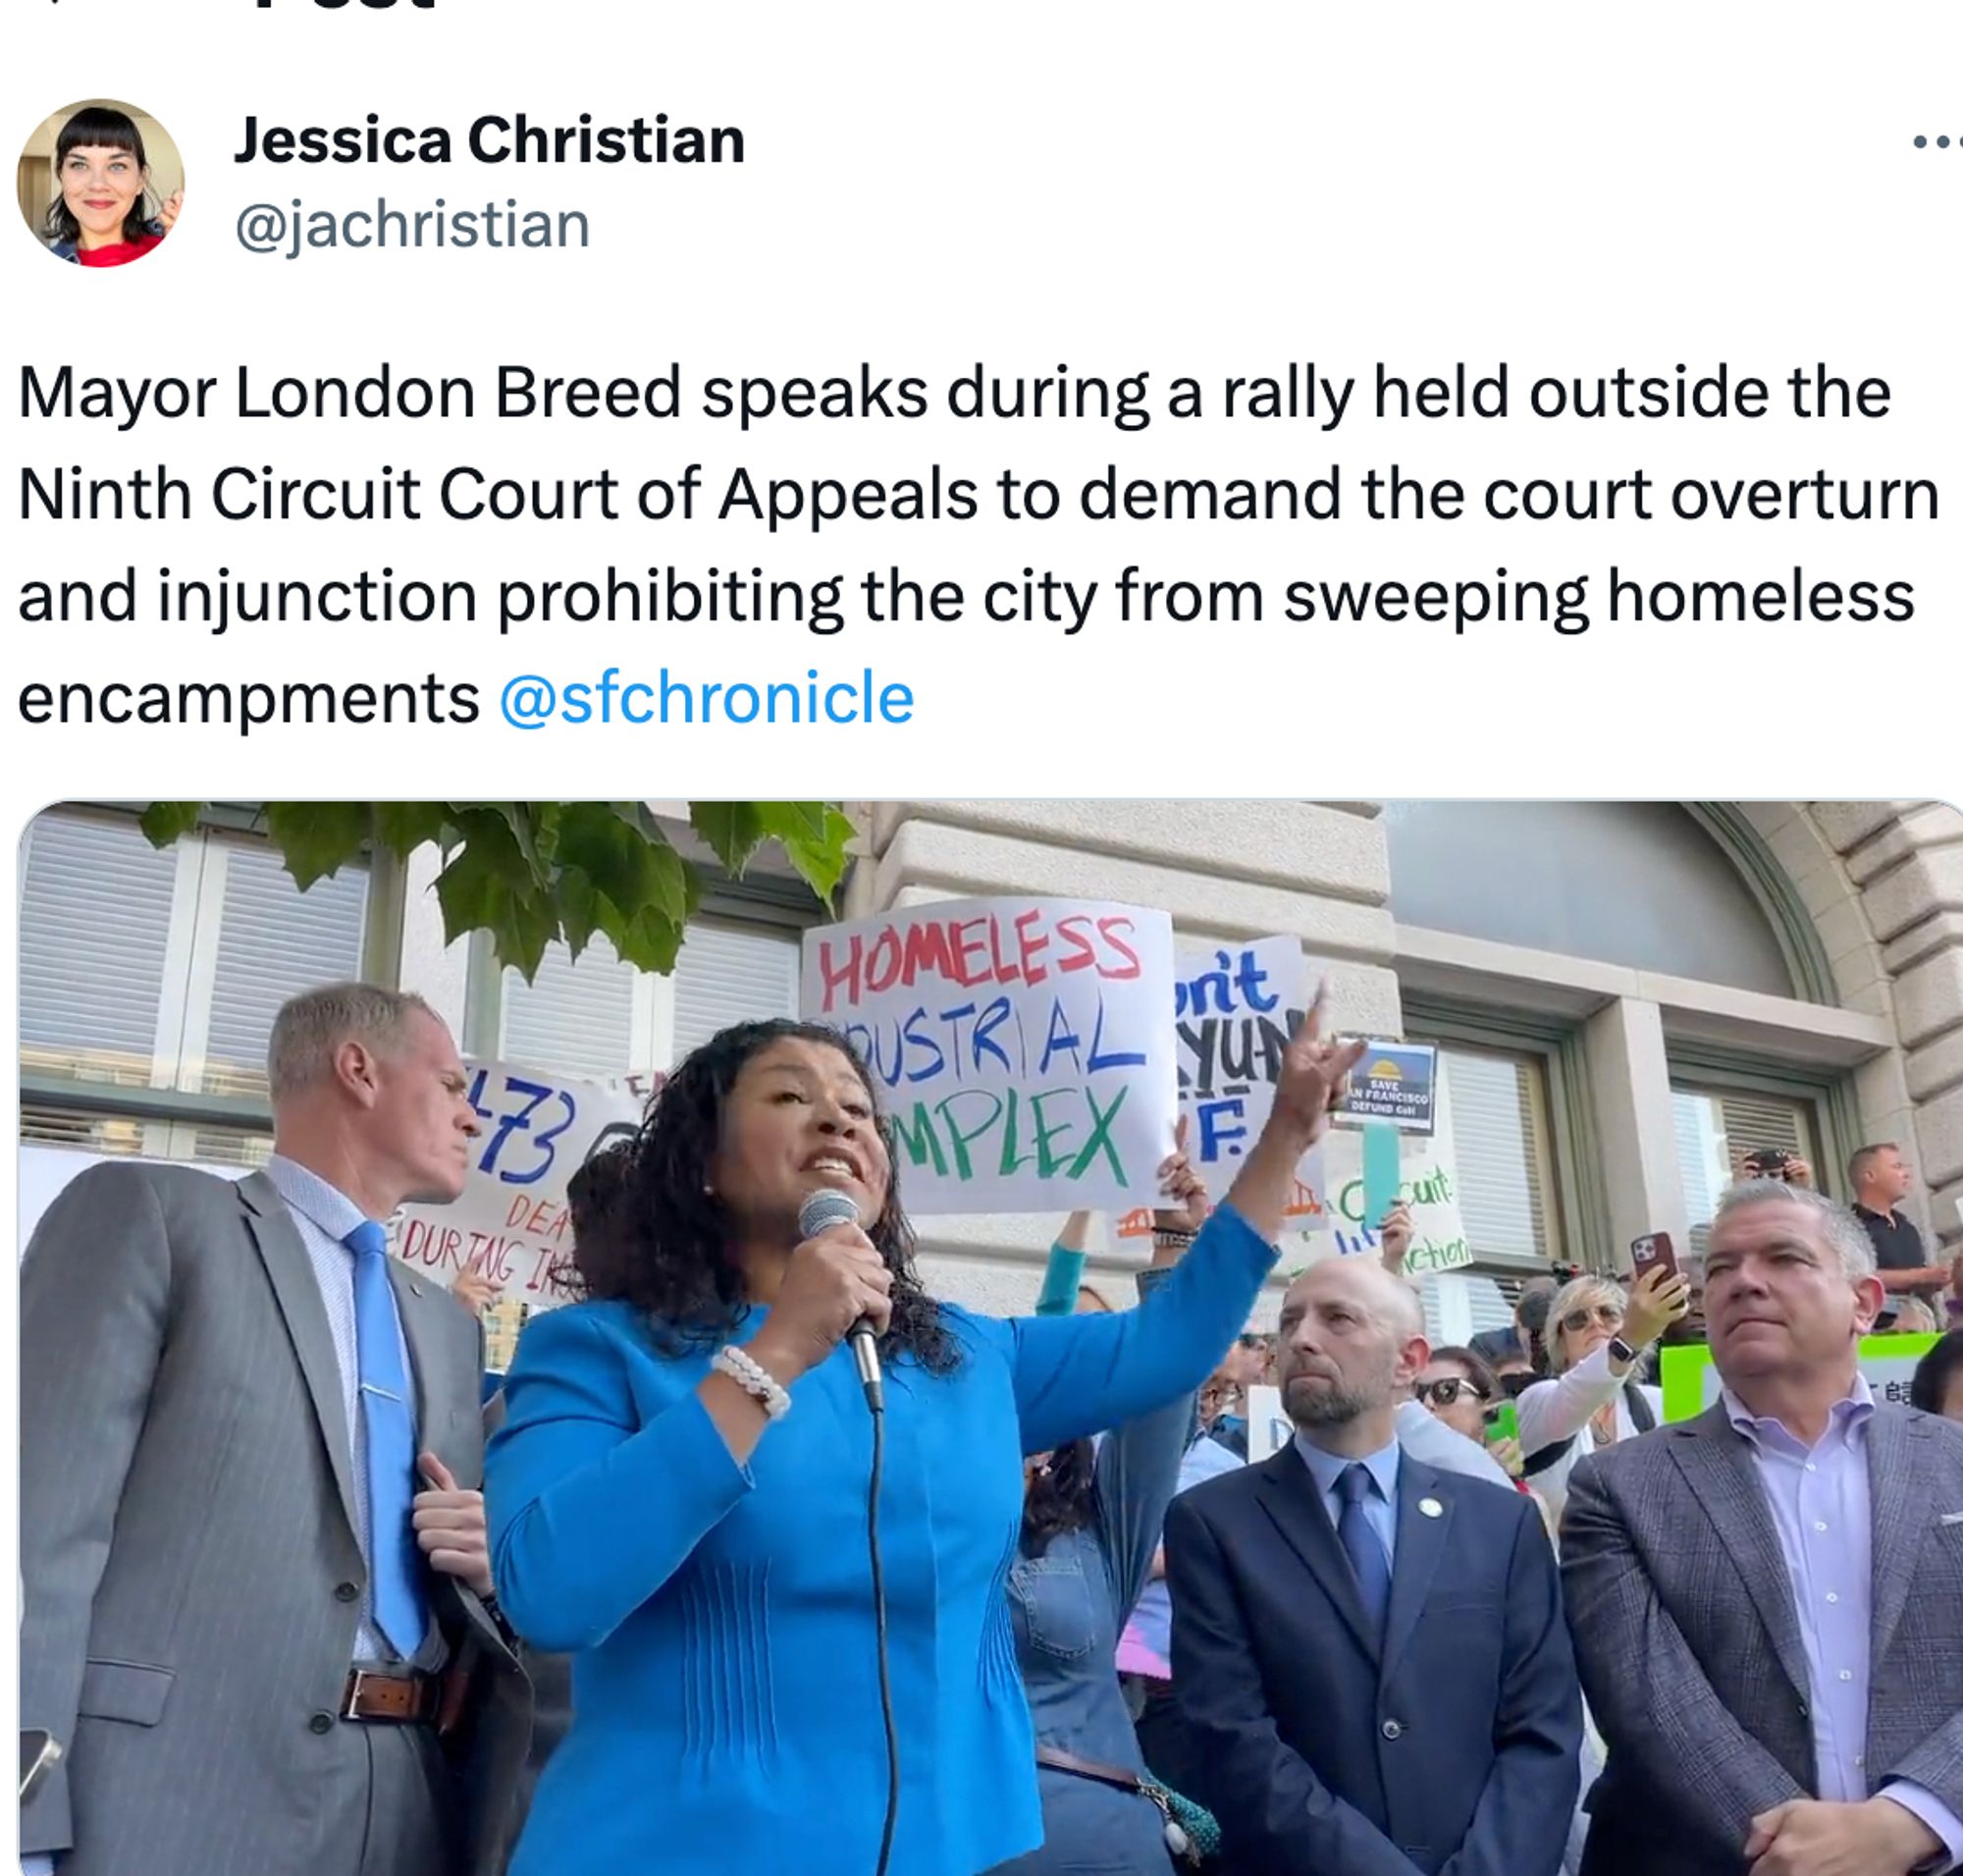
[{"x": 1431, "y": 1507}]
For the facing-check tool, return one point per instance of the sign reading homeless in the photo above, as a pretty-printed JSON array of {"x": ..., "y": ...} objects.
[{"x": 1022, "y": 1047}]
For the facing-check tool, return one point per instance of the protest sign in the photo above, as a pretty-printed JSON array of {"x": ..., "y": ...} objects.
[
  {"x": 1235, "y": 1007},
  {"x": 1691, "y": 1382},
  {"x": 1022, "y": 1047},
  {"x": 1383, "y": 1170},
  {"x": 1343, "y": 1225},
  {"x": 510, "y": 1224},
  {"x": 1269, "y": 1430},
  {"x": 1395, "y": 1083}
]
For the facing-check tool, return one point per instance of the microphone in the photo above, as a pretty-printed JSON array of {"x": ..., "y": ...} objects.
[{"x": 822, "y": 1210}]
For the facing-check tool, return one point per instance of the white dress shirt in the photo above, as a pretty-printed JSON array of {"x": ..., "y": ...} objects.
[{"x": 1561, "y": 1409}]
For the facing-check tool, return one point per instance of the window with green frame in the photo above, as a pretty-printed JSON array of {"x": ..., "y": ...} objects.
[
  {"x": 1718, "y": 1125},
  {"x": 1518, "y": 1101}
]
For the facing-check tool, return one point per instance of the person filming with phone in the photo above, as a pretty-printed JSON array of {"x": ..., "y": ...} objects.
[{"x": 1598, "y": 1334}]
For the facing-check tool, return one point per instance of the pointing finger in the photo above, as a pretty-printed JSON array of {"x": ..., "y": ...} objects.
[{"x": 1312, "y": 1023}]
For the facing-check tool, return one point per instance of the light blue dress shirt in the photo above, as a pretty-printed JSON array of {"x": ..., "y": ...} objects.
[
  {"x": 1819, "y": 1500},
  {"x": 1380, "y": 1509}
]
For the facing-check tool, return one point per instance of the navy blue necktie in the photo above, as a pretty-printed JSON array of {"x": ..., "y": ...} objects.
[
  {"x": 395, "y": 1559},
  {"x": 1366, "y": 1551}
]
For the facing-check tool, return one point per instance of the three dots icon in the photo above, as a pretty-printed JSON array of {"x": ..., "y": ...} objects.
[{"x": 1941, "y": 142}]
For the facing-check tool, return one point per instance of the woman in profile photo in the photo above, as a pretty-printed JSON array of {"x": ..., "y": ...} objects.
[{"x": 101, "y": 212}]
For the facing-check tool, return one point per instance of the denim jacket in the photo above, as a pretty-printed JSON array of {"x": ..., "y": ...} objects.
[
  {"x": 67, "y": 250},
  {"x": 1069, "y": 1606}
]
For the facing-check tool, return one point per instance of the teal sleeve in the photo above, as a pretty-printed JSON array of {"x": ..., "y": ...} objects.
[
  {"x": 1061, "y": 1280},
  {"x": 591, "y": 1512},
  {"x": 1138, "y": 1472}
]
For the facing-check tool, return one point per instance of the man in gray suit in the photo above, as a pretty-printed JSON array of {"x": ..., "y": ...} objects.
[
  {"x": 1767, "y": 1601},
  {"x": 258, "y": 1612}
]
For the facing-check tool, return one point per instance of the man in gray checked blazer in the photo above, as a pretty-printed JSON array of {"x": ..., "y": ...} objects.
[
  {"x": 214, "y": 1527},
  {"x": 1767, "y": 1602}
]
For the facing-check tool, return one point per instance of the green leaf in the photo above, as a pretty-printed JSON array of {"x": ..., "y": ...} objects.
[
  {"x": 498, "y": 847},
  {"x": 649, "y": 942},
  {"x": 519, "y": 817},
  {"x": 810, "y": 813},
  {"x": 318, "y": 837},
  {"x": 546, "y": 817},
  {"x": 579, "y": 911},
  {"x": 819, "y": 857},
  {"x": 488, "y": 885},
  {"x": 734, "y": 829},
  {"x": 163, "y": 822},
  {"x": 403, "y": 825},
  {"x": 530, "y": 872},
  {"x": 629, "y": 868}
]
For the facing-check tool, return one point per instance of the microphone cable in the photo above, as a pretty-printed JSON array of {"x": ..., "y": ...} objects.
[
  {"x": 821, "y": 1210},
  {"x": 879, "y": 1630}
]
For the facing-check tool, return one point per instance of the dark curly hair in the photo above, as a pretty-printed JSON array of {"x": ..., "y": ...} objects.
[
  {"x": 100, "y": 126},
  {"x": 1063, "y": 1498},
  {"x": 667, "y": 1246},
  {"x": 596, "y": 1200},
  {"x": 1934, "y": 1372}
]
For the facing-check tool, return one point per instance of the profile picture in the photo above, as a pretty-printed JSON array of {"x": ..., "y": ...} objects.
[{"x": 101, "y": 184}]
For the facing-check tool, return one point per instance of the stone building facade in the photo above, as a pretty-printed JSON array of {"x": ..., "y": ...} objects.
[{"x": 1628, "y": 995}]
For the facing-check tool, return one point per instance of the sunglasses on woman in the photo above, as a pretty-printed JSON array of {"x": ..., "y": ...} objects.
[
  {"x": 1444, "y": 1391},
  {"x": 1606, "y": 1314}
]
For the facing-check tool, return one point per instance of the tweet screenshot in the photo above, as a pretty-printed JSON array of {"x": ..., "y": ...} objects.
[{"x": 1309, "y": 1221}]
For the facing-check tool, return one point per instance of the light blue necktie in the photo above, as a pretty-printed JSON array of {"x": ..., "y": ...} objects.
[
  {"x": 394, "y": 1562},
  {"x": 1353, "y": 1484}
]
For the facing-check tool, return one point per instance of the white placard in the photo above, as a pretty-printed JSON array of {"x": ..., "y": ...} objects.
[
  {"x": 511, "y": 1222},
  {"x": 1023, "y": 1047}
]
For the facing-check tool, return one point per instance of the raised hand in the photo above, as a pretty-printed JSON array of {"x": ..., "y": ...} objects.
[
  {"x": 1314, "y": 1072},
  {"x": 830, "y": 1283},
  {"x": 1185, "y": 1188}
]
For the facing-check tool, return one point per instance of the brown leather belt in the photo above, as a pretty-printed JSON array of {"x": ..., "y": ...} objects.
[
  {"x": 1060, "y": 1760},
  {"x": 415, "y": 1698}
]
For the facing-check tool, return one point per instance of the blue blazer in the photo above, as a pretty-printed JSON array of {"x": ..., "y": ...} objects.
[
  {"x": 1456, "y": 1749},
  {"x": 726, "y": 1680}
]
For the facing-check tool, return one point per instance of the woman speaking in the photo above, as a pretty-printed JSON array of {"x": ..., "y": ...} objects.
[{"x": 679, "y": 1495}]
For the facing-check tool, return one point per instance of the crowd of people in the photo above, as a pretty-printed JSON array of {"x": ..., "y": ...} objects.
[{"x": 306, "y": 1592}]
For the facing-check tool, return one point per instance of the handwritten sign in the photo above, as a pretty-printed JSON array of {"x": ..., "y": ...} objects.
[
  {"x": 1394, "y": 1083},
  {"x": 1691, "y": 1382},
  {"x": 1427, "y": 1183},
  {"x": 1235, "y": 1007},
  {"x": 1019, "y": 1046},
  {"x": 512, "y": 1223},
  {"x": 1269, "y": 1430}
]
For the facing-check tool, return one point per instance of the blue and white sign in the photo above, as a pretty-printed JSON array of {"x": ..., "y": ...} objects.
[{"x": 1396, "y": 1083}]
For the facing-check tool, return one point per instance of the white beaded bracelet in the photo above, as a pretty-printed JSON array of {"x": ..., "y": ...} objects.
[{"x": 754, "y": 1379}]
